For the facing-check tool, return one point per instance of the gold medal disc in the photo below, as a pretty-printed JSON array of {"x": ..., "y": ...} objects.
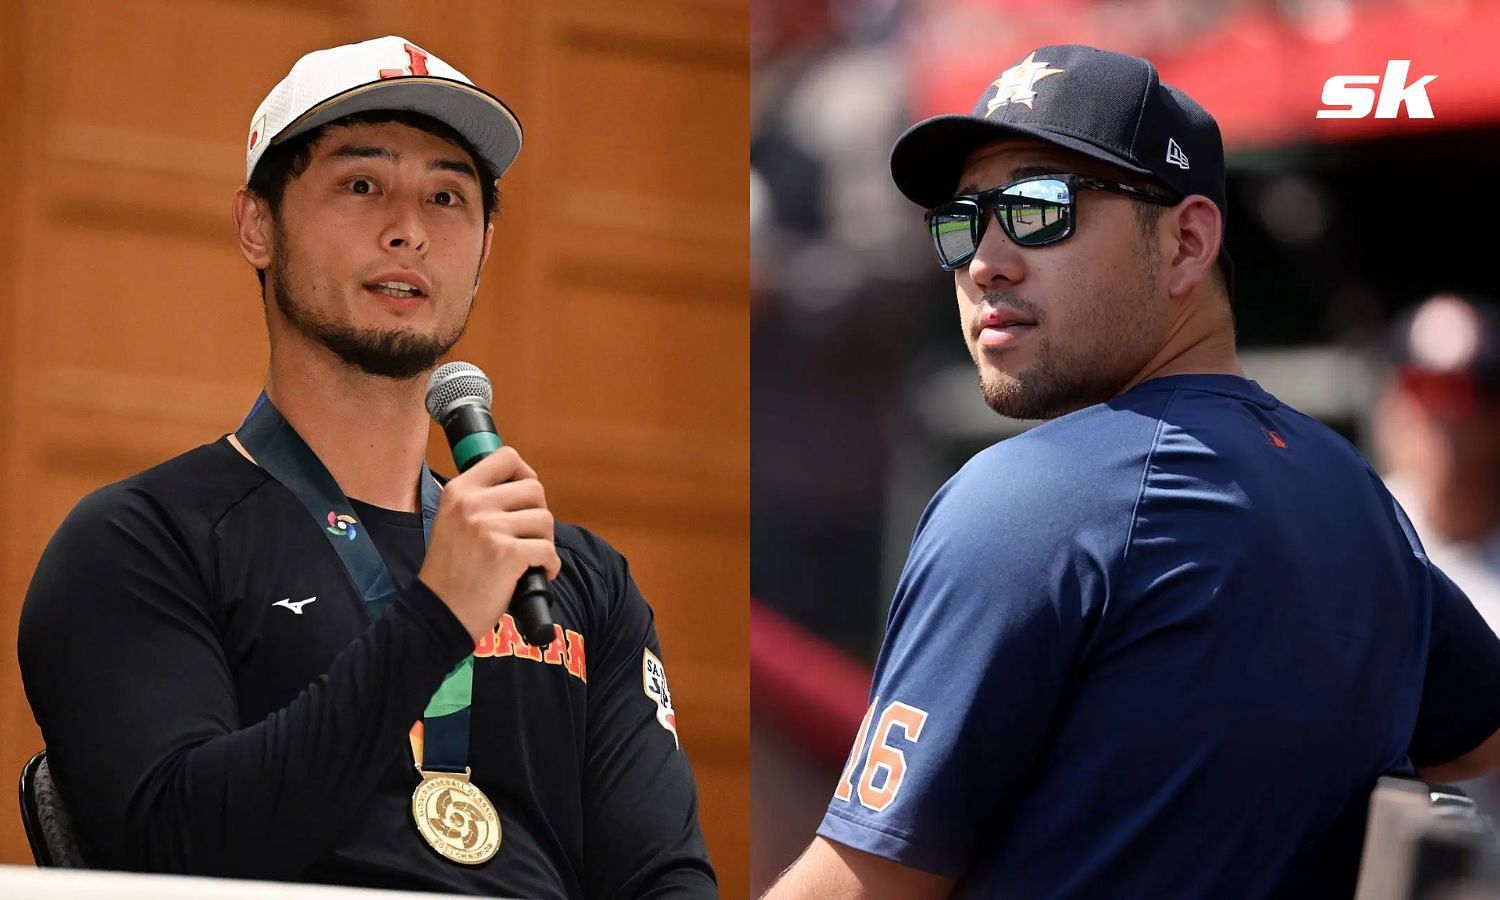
[{"x": 455, "y": 817}]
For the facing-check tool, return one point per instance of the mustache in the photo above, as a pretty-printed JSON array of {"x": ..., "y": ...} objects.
[{"x": 1010, "y": 300}]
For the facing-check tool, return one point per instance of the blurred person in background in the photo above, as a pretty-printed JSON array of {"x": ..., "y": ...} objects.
[
  {"x": 1437, "y": 435},
  {"x": 1164, "y": 643},
  {"x": 834, "y": 268}
]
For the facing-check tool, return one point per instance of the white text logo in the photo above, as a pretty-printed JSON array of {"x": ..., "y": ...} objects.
[
  {"x": 1340, "y": 91},
  {"x": 1175, "y": 156}
]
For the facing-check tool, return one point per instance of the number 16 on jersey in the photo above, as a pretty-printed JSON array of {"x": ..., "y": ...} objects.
[{"x": 880, "y": 778}]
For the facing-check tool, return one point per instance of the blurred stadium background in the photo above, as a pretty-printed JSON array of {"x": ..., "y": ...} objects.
[
  {"x": 863, "y": 398},
  {"x": 131, "y": 330}
]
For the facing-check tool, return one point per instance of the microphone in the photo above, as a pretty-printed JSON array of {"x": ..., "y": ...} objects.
[{"x": 458, "y": 398}]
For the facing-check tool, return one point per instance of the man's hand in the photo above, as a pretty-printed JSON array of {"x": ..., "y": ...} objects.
[
  {"x": 492, "y": 525},
  {"x": 831, "y": 871}
]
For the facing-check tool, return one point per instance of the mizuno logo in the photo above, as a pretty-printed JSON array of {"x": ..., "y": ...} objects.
[
  {"x": 1175, "y": 156},
  {"x": 295, "y": 607}
]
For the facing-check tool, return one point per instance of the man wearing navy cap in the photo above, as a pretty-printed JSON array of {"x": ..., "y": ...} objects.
[{"x": 1164, "y": 643}]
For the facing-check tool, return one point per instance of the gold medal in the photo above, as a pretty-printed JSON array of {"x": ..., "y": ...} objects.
[{"x": 455, "y": 817}]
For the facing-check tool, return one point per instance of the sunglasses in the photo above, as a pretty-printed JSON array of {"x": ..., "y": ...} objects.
[{"x": 1033, "y": 211}]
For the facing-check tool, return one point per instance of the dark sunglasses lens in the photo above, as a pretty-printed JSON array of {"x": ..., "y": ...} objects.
[
  {"x": 1039, "y": 212},
  {"x": 955, "y": 228}
]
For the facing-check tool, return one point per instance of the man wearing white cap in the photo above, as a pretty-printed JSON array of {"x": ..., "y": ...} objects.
[{"x": 287, "y": 654}]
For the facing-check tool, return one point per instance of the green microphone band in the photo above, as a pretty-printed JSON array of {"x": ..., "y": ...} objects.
[{"x": 474, "y": 446}]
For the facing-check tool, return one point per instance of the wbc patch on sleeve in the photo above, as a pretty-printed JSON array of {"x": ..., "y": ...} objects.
[{"x": 654, "y": 683}]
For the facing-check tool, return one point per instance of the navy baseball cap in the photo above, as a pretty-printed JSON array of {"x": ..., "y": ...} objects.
[{"x": 1104, "y": 105}]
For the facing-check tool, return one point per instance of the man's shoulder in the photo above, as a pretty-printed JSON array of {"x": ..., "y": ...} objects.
[
  {"x": 1096, "y": 452},
  {"x": 151, "y": 521},
  {"x": 1181, "y": 425},
  {"x": 1077, "y": 478},
  {"x": 204, "y": 481},
  {"x": 596, "y": 583},
  {"x": 589, "y": 550},
  {"x": 1101, "y": 430}
]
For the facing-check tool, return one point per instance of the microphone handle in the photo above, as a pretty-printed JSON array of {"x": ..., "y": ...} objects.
[
  {"x": 531, "y": 608},
  {"x": 471, "y": 433}
]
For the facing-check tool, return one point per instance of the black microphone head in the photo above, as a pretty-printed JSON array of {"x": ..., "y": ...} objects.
[{"x": 456, "y": 384}]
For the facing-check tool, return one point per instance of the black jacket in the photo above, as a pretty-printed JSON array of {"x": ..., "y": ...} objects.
[{"x": 196, "y": 726}]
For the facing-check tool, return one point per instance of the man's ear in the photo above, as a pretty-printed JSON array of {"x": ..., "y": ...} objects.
[
  {"x": 1197, "y": 235},
  {"x": 484, "y": 255},
  {"x": 253, "y": 227}
]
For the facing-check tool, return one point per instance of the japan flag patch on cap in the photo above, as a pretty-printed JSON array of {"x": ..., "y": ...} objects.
[
  {"x": 654, "y": 683},
  {"x": 257, "y": 133}
]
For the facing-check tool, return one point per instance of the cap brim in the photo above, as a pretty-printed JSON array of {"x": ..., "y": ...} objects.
[
  {"x": 479, "y": 116},
  {"x": 928, "y": 159}
]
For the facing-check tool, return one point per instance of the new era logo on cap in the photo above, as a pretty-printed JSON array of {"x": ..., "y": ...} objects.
[
  {"x": 1175, "y": 156},
  {"x": 388, "y": 73}
]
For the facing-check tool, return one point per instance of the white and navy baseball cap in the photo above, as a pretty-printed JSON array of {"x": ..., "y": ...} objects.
[
  {"x": 388, "y": 73},
  {"x": 1104, "y": 105}
]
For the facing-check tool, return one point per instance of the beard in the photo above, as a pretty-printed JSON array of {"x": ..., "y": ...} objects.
[
  {"x": 389, "y": 353},
  {"x": 1090, "y": 366}
]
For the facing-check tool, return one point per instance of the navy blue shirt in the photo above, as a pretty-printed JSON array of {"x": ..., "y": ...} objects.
[{"x": 1162, "y": 646}]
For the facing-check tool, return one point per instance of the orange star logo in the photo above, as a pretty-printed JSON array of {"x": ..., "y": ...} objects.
[{"x": 1015, "y": 84}]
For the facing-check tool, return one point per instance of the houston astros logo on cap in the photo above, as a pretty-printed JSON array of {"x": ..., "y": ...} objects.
[{"x": 1015, "y": 84}]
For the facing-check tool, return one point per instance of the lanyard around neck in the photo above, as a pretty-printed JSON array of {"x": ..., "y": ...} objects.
[{"x": 277, "y": 448}]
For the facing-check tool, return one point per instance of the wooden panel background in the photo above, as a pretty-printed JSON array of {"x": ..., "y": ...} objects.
[{"x": 613, "y": 315}]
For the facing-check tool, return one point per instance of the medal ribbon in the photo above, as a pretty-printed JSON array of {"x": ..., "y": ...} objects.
[{"x": 279, "y": 450}]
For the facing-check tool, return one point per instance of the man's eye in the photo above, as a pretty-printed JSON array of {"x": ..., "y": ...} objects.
[
  {"x": 445, "y": 198},
  {"x": 361, "y": 186}
]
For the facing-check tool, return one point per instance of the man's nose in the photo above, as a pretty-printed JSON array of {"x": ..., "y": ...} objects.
[
  {"x": 997, "y": 260},
  {"x": 406, "y": 228}
]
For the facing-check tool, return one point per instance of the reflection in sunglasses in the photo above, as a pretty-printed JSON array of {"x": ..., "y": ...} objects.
[{"x": 1033, "y": 212}]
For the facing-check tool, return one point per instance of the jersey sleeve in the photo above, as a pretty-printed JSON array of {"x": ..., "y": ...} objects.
[
  {"x": 987, "y": 619},
  {"x": 123, "y": 664},
  {"x": 641, "y": 833},
  {"x": 1461, "y": 691}
]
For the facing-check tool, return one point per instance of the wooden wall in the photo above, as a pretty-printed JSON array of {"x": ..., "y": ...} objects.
[{"x": 613, "y": 315}]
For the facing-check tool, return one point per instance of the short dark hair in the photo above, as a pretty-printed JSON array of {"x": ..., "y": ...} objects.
[{"x": 284, "y": 162}]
